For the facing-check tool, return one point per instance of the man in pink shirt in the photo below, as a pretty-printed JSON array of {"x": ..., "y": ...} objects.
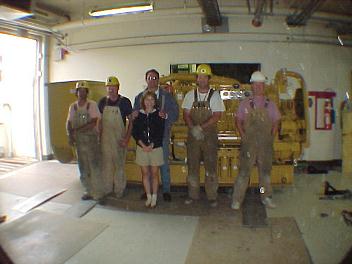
[
  {"x": 257, "y": 120},
  {"x": 82, "y": 134}
]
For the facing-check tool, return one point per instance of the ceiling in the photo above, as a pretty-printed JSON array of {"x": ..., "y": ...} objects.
[{"x": 337, "y": 13}]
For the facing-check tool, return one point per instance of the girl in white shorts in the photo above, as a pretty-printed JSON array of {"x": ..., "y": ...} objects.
[{"x": 148, "y": 130}]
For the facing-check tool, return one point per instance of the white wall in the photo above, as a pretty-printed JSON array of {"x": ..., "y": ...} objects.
[{"x": 130, "y": 45}]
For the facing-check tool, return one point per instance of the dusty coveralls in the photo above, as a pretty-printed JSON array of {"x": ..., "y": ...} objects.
[
  {"x": 256, "y": 147},
  {"x": 87, "y": 148},
  {"x": 205, "y": 150},
  {"x": 113, "y": 155}
]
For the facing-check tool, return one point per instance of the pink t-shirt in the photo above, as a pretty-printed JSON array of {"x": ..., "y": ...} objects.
[
  {"x": 259, "y": 102},
  {"x": 92, "y": 110}
]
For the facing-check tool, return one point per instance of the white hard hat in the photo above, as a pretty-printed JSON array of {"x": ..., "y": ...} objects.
[{"x": 257, "y": 76}]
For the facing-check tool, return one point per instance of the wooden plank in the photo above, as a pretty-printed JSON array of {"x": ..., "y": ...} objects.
[
  {"x": 81, "y": 208},
  {"x": 38, "y": 199}
]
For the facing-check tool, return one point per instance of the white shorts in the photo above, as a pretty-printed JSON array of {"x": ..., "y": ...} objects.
[{"x": 153, "y": 158}]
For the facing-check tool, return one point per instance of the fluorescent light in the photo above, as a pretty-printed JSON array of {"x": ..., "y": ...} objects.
[
  {"x": 340, "y": 40},
  {"x": 9, "y": 13},
  {"x": 146, "y": 7}
]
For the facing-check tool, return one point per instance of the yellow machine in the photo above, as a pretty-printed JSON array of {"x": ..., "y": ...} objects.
[{"x": 287, "y": 91}]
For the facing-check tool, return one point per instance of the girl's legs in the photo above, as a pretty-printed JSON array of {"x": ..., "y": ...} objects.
[
  {"x": 155, "y": 184},
  {"x": 146, "y": 184}
]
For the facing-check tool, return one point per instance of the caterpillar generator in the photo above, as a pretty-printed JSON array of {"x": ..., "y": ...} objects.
[{"x": 287, "y": 90}]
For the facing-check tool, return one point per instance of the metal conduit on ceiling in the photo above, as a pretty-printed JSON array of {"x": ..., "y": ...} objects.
[{"x": 211, "y": 11}]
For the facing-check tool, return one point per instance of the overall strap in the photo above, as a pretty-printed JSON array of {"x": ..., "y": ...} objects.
[{"x": 210, "y": 95}]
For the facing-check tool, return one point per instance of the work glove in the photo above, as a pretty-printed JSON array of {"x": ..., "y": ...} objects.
[{"x": 197, "y": 132}]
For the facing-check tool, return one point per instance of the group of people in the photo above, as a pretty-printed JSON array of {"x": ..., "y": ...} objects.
[{"x": 100, "y": 136}]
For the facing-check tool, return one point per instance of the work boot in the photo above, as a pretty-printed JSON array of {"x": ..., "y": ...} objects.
[
  {"x": 213, "y": 203},
  {"x": 102, "y": 200},
  {"x": 167, "y": 197},
  {"x": 86, "y": 196},
  {"x": 188, "y": 201},
  {"x": 3, "y": 218},
  {"x": 347, "y": 217},
  {"x": 236, "y": 205},
  {"x": 143, "y": 196},
  {"x": 154, "y": 198},
  {"x": 268, "y": 203},
  {"x": 149, "y": 200}
]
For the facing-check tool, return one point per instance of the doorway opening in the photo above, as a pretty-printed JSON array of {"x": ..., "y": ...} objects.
[{"x": 18, "y": 72}]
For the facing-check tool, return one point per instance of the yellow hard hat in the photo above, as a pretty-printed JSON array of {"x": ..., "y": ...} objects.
[
  {"x": 112, "y": 81},
  {"x": 204, "y": 69},
  {"x": 82, "y": 84}
]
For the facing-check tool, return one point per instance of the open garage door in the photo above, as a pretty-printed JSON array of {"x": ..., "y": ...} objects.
[{"x": 18, "y": 64}]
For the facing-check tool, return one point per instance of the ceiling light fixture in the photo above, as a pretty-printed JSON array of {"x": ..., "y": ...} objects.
[{"x": 128, "y": 9}]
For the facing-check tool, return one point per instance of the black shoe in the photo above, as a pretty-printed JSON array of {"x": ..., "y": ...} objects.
[
  {"x": 86, "y": 196},
  {"x": 102, "y": 201},
  {"x": 167, "y": 197},
  {"x": 143, "y": 196}
]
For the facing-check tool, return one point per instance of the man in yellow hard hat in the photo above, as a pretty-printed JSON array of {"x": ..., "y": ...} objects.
[
  {"x": 115, "y": 109},
  {"x": 257, "y": 120},
  {"x": 82, "y": 132},
  {"x": 202, "y": 108}
]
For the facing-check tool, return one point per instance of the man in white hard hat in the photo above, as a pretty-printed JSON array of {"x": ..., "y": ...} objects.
[
  {"x": 82, "y": 132},
  {"x": 257, "y": 120},
  {"x": 202, "y": 108}
]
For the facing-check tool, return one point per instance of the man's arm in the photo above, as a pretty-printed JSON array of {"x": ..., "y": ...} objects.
[
  {"x": 275, "y": 128},
  {"x": 239, "y": 125},
  {"x": 90, "y": 125},
  {"x": 172, "y": 109},
  {"x": 124, "y": 141},
  {"x": 187, "y": 117},
  {"x": 212, "y": 120}
]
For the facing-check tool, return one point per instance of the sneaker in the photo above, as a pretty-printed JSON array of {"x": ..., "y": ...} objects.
[
  {"x": 148, "y": 200},
  {"x": 213, "y": 203},
  {"x": 153, "y": 203},
  {"x": 236, "y": 205},
  {"x": 167, "y": 197},
  {"x": 188, "y": 201},
  {"x": 86, "y": 196},
  {"x": 268, "y": 203}
]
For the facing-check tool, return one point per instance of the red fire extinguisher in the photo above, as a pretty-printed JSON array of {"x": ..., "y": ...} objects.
[{"x": 327, "y": 114}]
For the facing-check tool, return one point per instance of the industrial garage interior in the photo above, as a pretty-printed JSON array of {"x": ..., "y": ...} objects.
[{"x": 303, "y": 47}]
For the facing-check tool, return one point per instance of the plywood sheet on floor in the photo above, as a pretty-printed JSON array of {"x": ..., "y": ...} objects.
[
  {"x": 224, "y": 240},
  {"x": 41, "y": 237},
  {"x": 138, "y": 238},
  {"x": 41, "y": 176}
]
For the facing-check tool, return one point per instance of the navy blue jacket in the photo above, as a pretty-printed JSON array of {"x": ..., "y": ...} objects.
[{"x": 170, "y": 107}]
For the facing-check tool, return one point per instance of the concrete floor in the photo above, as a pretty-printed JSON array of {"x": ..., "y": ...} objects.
[{"x": 145, "y": 236}]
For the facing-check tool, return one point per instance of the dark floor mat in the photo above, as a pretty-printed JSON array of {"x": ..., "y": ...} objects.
[
  {"x": 132, "y": 202},
  {"x": 223, "y": 240},
  {"x": 253, "y": 211}
]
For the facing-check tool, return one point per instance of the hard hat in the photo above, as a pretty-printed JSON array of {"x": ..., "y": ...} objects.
[
  {"x": 204, "y": 69},
  {"x": 257, "y": 76},
  {"x": 112, "y": 81},
  {"x": 82, "y": 84}
]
